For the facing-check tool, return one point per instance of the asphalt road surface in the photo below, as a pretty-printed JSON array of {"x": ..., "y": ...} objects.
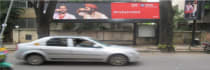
[{"x": 148, "y": 61}]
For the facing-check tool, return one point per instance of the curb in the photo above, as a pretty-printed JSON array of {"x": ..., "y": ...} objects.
[
  {"x": 11, "y": 49},
  {"x": 177, "y": 51}
]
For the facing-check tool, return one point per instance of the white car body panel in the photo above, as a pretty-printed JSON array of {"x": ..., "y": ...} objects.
[{"x": 72, "y": 53}]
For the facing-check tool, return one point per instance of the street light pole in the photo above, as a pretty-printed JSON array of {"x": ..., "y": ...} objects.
[
  {"x": 135, "y": 32},
  {"x": 4, "y": 25},
  {"x": 18, "y": 35},
  {"x": 193, "y": 34},
  {"x": 18, "y": 28}
]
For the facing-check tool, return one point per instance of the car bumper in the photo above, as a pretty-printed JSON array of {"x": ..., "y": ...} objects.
[
  {"x": 134, "y": 58},
  {"x": 19, "y": 56}
]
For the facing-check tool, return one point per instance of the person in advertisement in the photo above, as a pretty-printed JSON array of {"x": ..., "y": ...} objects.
[
  {"x": 195, "y": 4},
  {"x": 90, "y": 12},
  {"x": 189, "y": 9},
  {"x": 61, "y": 13}
]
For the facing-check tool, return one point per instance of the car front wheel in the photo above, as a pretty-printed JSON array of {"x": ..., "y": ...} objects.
[
  {"x": 34, "y": 59},
  {"x": 118, "y": 60}
]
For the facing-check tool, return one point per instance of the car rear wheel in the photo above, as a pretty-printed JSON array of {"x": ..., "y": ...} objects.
[
  {"x": 118, "y": 60},
  {"x": 35, "y": 59}
]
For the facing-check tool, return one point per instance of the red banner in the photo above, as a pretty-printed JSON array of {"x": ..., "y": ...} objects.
[{"x": 135, "y": 11}]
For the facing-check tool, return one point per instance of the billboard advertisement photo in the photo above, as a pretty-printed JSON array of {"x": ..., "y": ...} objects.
[
  {"x": 106, "y": 11},
  {"x": 71, "y": 11},
  {"x": 192, "y": 9},
  {"x": 135, "y": 11}
]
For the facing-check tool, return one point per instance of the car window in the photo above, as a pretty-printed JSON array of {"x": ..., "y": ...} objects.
[
  {"x": 57, "y": 42},
  {"x": 82, "y": 43}
]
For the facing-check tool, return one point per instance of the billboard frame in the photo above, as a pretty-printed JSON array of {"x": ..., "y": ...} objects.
[
  {"x": 106, "y": 20},
  {"x": 198, "y": 11}
]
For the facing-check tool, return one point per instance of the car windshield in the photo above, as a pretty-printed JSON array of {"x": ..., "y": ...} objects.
[
  {"x": 38, "y": 40},
  {"x": 100, "y": 42}
]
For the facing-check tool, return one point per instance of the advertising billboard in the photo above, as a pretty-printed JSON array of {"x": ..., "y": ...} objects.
[
  {"x": 135, "y": 11},
  {"x": 72, "y": 11},
  {"x": 192, "y": 9},
  {"x": 107, "y": 11}
]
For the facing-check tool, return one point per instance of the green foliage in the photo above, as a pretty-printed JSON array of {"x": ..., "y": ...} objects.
[
  {"x": 178, "y": 14},
  {"x": 165, "y": 46},
  {"x": 68, "y": 26},
  {"x": 162, "y": 46},
  {"x": 14, "y": 15},
  {"x": 148, "y": 23},
  {"x": 207, "y": 5},
  {"x": 178, "y": 17},
  {"x": 84, "y": 27}
]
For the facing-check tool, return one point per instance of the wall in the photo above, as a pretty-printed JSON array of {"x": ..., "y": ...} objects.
[
  {"x": 109, "y": 36},
  {"x": 184, "y": 37},
  {"x": 208, "y": 36},
  {"x": 20, "y": 34},
  {"x": 113, "y": 37},
  {"x": 28, "y": 13}
]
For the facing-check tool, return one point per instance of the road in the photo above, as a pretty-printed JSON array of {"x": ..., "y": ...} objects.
[{"x": 148, "y": 61}]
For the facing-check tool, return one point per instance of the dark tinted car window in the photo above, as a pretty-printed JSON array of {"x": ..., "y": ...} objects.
[{"x": 57, "y": 42}]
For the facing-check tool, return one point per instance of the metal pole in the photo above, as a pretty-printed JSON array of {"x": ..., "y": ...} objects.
[
  {"x": 134, "y": 33},
  {"x": 18, "y": 35},
  {"x": 157, "y": 32},
  {"x": 4, "y": 25},
  {"x": 193, "y": 33}
]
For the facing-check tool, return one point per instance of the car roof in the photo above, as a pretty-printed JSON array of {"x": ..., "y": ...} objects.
[
  {"x": 48, "y": 37},
  {"x": 68, "y": 36}
]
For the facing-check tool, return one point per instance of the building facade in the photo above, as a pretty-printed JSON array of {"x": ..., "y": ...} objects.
[{"x": 122, "y": 33}]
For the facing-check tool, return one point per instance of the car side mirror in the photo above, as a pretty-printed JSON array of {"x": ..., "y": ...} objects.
[{"x": 96, "y": 46}]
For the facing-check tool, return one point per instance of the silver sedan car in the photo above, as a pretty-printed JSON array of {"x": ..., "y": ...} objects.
[{"x": 74, "y": 48}]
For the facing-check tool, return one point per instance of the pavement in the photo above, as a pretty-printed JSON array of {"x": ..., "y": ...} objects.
[
  {"x": 178, "y": 48},
  {"x": 143, "y": 48},
  {"x": 147, "y": 61}
]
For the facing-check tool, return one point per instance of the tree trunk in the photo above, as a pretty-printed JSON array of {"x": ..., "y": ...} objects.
[
  {"x": 166, "y": 26},
  {"x": 44, "y": 18},
  {"x": 43, "y": 28}
]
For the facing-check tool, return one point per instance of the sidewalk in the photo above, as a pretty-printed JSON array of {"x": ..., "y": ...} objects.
[
  {"x": 178, "y": 48},
  {"x": 142, "y": 48}
]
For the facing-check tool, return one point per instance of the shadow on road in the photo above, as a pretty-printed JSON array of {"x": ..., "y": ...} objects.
[{"x": 76, "y": 64}]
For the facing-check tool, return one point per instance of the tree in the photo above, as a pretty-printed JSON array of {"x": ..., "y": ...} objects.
[
  {"x": 166, "y": 26},
  {"x": 14, "y": 16},
  {"x": 207, "y": 5},
  {"x": 44, "y": 10},
  {"x": 178, "y": 18}
]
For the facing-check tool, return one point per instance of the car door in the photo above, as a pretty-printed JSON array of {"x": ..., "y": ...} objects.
[
  {"x": 86, "y": 51},
  {"x": 57, "y": 49}
]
